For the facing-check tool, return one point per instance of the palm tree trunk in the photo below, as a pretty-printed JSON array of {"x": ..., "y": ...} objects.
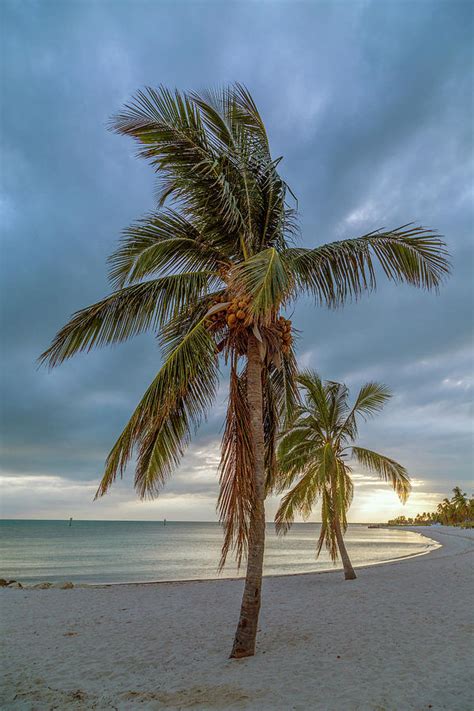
[
  {"x": 349, "y": 572},
  {"x": 246, "y": 633}
]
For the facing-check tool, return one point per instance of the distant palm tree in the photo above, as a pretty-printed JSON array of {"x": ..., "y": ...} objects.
[
  {"x": 460, "y": 504},
  {"x": 457, "y": 510},
  {"x": 210, "y": 275},
  {"x": 446, "y": 511},
  {"x": 313, "y": 452}
]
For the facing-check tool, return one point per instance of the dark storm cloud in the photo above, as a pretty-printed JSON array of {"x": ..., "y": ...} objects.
[{"x": 369, "y": 104}]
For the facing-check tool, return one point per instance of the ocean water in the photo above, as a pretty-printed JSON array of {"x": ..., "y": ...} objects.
[{"x": 133, "y": 551}]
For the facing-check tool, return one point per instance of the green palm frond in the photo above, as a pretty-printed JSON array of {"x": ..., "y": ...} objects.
[
  {"x": 127, "y": 313},
  {"x": 265, "y": 279},
  {"x": 233, "y": 133},
  {"x": 370, "y": 400},
  {"x": 173, "y": 137},
  {"x": 249, "y": 116},
  {"x": 316, "y": 399},
  {"x": 386, "y": 468},
  {"x": 218, "y": 113},
  {"x": 284, "y": 380},
  {"x": 295, "y": 463},
  {"x": 295, "y": 447},
  {"x": 301, "y": 498},
  {"x": 171, "y": 408},
  {"x": 343, "y": 270},
  {"x": 162, "y": 241},
  {"x": 337, "y": 396}
]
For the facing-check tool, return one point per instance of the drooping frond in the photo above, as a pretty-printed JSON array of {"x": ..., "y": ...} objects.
[
  {"x": 343, "y": 270},
  {"x": 301, "y": 498},
  {"x": 184, "y": 321},
  {"x": 297, "y": 449},
  {"x": 163, "y": 241},
  {"x": 237, "y": 492},
  {"x": 127, "y": 313},
  {"x": 298, "y": 437},
  {"x": 171, "y": 408},
  {"x": 285, "y": 384},
  {"x": 387, "y": 469}
]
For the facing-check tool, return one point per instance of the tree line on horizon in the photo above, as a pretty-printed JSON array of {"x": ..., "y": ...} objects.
[
  {"x": 456, "y": 511},
  {"x": 211, "y": 272}
]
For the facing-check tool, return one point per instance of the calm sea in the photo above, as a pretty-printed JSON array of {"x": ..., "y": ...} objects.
[{"x": 126, "y": 551}]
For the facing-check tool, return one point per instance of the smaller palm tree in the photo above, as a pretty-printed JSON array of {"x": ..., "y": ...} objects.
[{"x": 313, "y": 456}]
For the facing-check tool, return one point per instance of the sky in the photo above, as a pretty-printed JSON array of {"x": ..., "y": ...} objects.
[{"x": 369, "y": 103}]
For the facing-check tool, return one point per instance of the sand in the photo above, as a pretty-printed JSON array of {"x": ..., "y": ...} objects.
[{"x": 396, "y": 639}]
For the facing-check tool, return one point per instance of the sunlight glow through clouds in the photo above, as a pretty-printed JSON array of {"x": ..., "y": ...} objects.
[{"x": 56, "y": 497}]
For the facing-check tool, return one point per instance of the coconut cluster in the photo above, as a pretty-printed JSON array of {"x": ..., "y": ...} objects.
[
  {"x": 233, "y": 314},
  {"x": 284, "y": 327},
  {"x": 237, "y": 312}
]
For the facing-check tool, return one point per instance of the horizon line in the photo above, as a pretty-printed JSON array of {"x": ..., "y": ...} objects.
[{"x": 159, "y": 520}]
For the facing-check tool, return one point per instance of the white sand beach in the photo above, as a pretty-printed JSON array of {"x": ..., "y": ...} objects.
[{"x": 398, "y": 638}]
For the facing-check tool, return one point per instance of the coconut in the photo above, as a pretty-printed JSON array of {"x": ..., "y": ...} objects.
[{"x": 231, "y": 320}]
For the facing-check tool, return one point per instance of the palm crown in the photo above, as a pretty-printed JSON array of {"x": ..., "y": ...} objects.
[
  {"x": 209, "y": 272},
  {"x": 315, "y": 450}
]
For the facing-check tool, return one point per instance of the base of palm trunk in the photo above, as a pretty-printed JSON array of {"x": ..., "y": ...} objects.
[
  {"x": 239, "y": 652},
  {"x": 246, "y": 632},
  {"x": 350, "y": 575}
]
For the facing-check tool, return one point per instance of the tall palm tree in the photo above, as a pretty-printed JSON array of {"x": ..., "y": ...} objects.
[
  {"x": 210, "y": 271},
  {"x": 314, "y": 453}
]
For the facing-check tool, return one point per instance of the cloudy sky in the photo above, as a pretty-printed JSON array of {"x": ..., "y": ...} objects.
[{"x": 368, "y": 102}]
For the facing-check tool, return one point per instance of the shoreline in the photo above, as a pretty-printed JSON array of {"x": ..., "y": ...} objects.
[
  {"x": 430, "y": 546},
  {"x": 430, "y": 549}
]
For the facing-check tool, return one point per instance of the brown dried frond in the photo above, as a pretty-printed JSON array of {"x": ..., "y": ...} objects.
[{"x": 237, "y": 491}]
